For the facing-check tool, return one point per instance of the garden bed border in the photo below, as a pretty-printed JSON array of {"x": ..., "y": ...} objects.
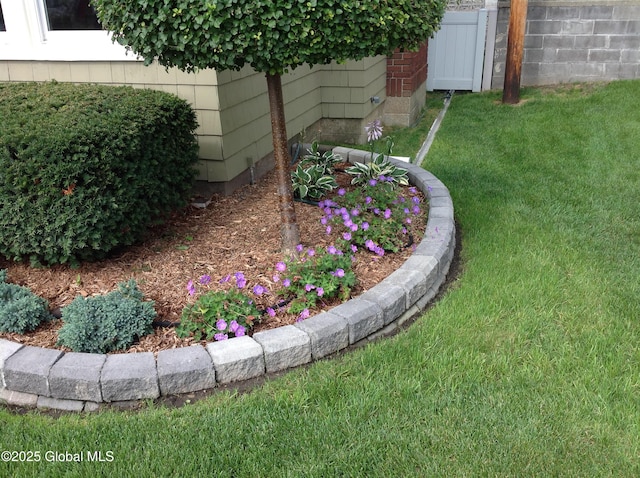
[{"x": 51, "y": 379}]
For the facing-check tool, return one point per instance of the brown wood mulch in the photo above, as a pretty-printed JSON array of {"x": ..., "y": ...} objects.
[{"x": 240, "y": 232}]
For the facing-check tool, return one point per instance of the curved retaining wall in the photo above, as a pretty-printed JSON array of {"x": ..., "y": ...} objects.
[{"x": 45, "y": 378}]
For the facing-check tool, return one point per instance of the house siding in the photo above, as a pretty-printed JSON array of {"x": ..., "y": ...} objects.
[{"x": 232, "y": 107}]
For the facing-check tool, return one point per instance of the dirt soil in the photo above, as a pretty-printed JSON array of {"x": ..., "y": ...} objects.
[{"x": 234, "y": 233}]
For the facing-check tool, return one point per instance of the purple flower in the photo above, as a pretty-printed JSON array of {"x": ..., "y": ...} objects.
[
  {"x": 379, "y": 251},
  {"x": 369, "y": 244},
  {"x": 382, "y": 178},
  {"x": 221, "y": 325},
  {"x": 414, "y": 190},
  {"x": 338, "y": 273},
  {"x": 354, "y": 248},
  {"x": 372, "y": 182},
  {"x": 276, "y": 278},
  {"x": 376, "y": 211},
  {"x": 328, "y": 230},
  {"x": 332, "y": 250},
  {"x": 364, "y": 226},
  {"x": 240, "y": 331},
  {"x": 355, "y": 211},
  {"x": 408, "y": 220},
  {"x": 353, "y": 227},
  {"x": 387, "y": 213},
  {"x": 258, "y": 290},
  {"x": 323, "y": 220},
  {"x": 311, "y": 252},
  {"x": 415, "y": 200},
  {"x": 309, "y": 287},
  {"x": 320, "y": 291},
  {"x": 281, "y": 266},
  {"x": 271, "y": 312},
  {"x": 374, "y": 130},
  {"x": 226, "y": 278},
  {"x": 304, "y": 314},
  {"x": 299, "y": 247},
  {"x": 286, "y": 282},
  {"x": 220, "y": 336},
  {"x": 233, "y": 326},
  {"x": 205, "y": 279},
  {"x": 191, "y": 288},
  {"x": 416, "y": 210},
  {"x": 346, "y": 236},
  {"x": 368, "y": 200},
  {"x": 341, "y": 192}
]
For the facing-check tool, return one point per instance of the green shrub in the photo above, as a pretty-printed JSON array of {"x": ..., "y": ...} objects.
[
  {"x": 108, "y": 322},
  {"x": 85, "y": 168},
  {"x": 20, "y": 309}
]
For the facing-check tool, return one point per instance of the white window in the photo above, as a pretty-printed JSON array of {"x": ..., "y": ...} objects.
[
  {"x": 2, "y": 27},
  {"x": 70, "y": 15},
  {"x": 55, "y": 30}
]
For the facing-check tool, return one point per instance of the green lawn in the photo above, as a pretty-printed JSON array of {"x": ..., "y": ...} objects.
[{"x": 528, "y": 366}]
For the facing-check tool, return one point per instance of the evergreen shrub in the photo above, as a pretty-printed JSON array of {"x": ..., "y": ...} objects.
[
  {"x": 85, "y": 169},
  {"x": 20, "y": 309},
  {"x": 108, "y": 322}
]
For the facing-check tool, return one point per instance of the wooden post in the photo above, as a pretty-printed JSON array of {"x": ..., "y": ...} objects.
[{"x": 515, "y": 48}]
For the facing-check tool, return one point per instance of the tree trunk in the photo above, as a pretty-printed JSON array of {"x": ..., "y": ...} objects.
[
  {"x": 289, "y": 231},
  {"x": 515, "y": 47}
]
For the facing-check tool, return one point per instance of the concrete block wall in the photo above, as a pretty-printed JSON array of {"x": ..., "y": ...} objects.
[{"x": 573, "y": 40}]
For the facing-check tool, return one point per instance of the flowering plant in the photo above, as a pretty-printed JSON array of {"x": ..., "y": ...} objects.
[
  {"x": 318, "y": 274},
  {"x": 379, "y": 167},
  {"x": 374, "y": 216},
  {"x": 219, "y": 314}
]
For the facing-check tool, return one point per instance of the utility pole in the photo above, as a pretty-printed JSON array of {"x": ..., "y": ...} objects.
[{"x": 515, "y": 48}]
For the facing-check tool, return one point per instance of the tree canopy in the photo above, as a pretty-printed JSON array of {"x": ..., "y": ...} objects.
[{"x": 270, "y": 36}]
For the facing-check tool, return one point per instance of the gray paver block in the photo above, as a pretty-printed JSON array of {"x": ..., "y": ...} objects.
[
  {"x": 392, "y": 299},
  {"x": 76, "y": 376},
  {"x": 329, "y": 333},
  {"x": 19, "y": 399},
  {"x": 60, "y": 404},
  {"x": 129, "y": 377},
  {"x": 427, "y": 265},
  {"x": 184, "y": 370},
  {"x": 364, "y": 318},
  {"x": 240, "y": 358},
  {"x": 284, "y": 347},
  {"x": 7, "y": 349},
  {"x": 413, "y": 282},
  {"x": 27, "y": 370}
]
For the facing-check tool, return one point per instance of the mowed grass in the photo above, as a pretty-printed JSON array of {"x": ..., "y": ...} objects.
[{"x": 528, "y": 366}]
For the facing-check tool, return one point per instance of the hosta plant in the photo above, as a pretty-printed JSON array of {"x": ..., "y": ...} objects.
[{"x": 312, "y": 182}]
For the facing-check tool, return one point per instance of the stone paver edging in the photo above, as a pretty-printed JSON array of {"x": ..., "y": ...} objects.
[{"x": 45, "y": 378}]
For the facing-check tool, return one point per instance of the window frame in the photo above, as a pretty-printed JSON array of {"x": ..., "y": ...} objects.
[{"x": 28, "y": 38}]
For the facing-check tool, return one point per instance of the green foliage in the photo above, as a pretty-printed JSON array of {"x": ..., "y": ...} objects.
[
  {"x": 20, "y": 309},
  {"x": 106, "y": 323},
  {"x": 326, "y": 160},
  {"x": 375, "y": 215},
  {"x": 85, "y": 169},
  {"x": 380, "y": 169},
  {"x": 216, "y": 314},
  {"x": 318, "y": 274},
  {"x": 312, "y": 182},
  {"x": 271, "y": 36}
]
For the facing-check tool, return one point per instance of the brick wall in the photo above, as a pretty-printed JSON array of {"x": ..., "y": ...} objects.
[
  {"x": 406, "y": 71},
  {"x": 573, "y": 41}
]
